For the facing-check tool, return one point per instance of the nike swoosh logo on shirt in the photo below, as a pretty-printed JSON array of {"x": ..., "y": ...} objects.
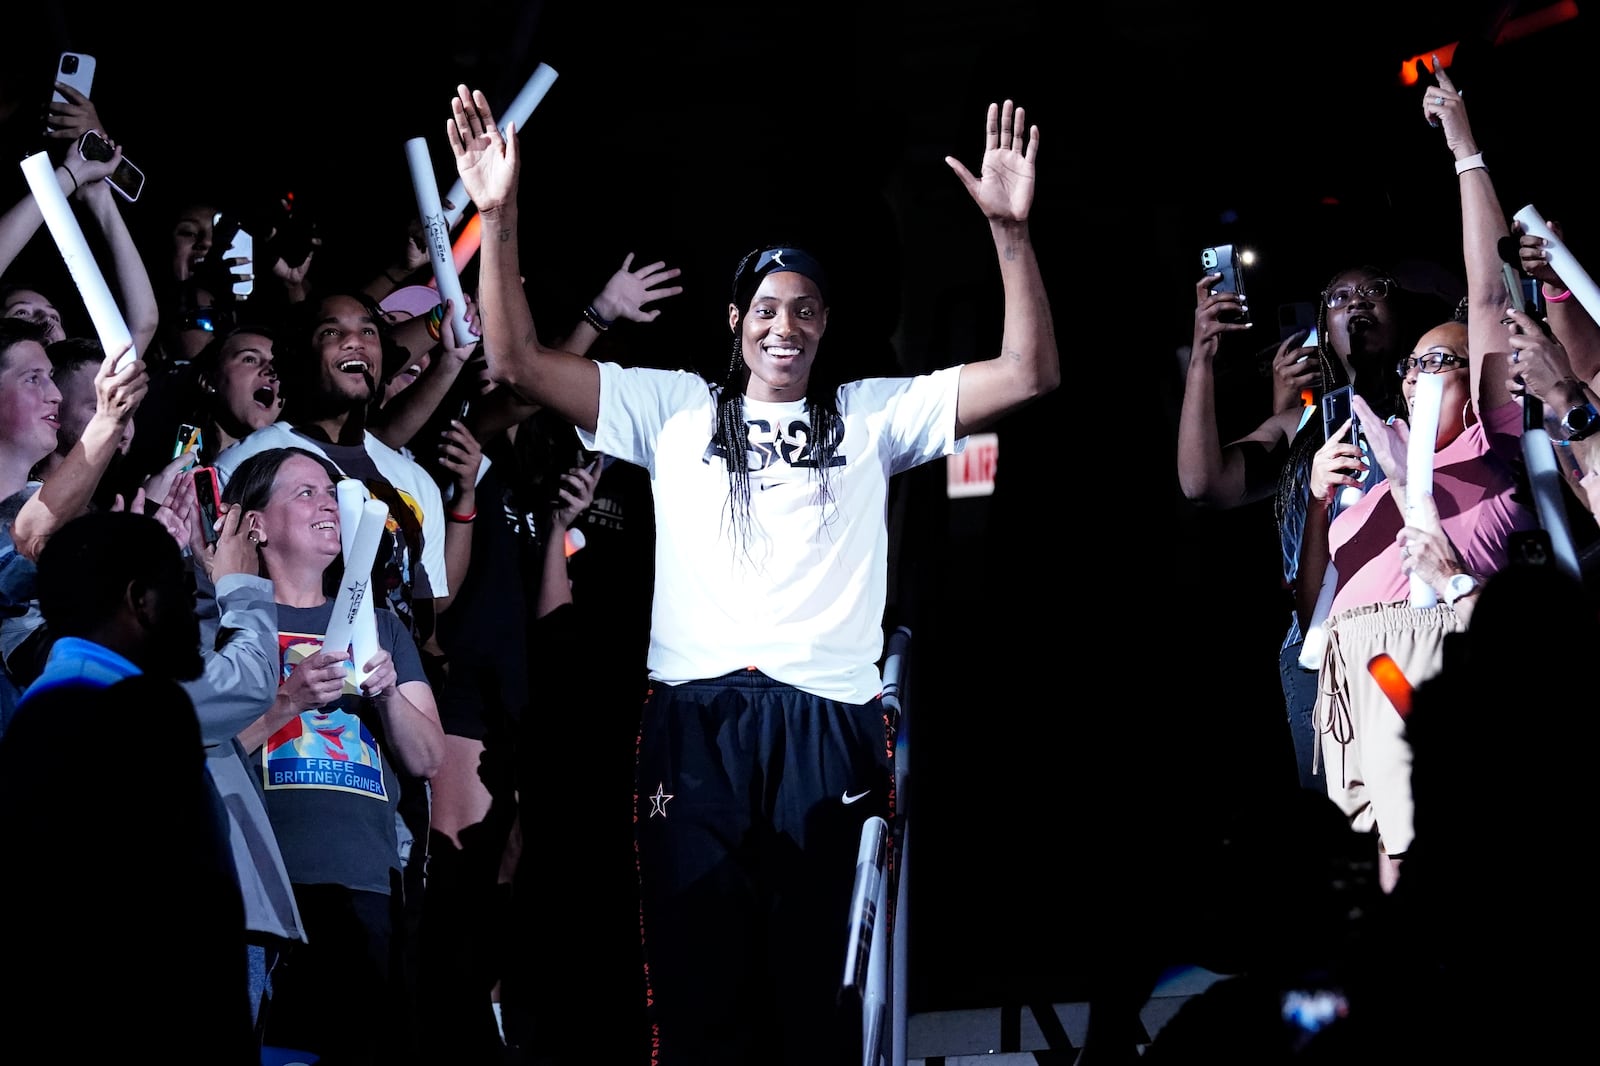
[{"x": 847, "y": 798}]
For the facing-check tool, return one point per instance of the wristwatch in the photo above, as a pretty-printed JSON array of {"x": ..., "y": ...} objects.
[
  {"x": 1458, "y": 586},
  {"x": 1581, "y": 421}
]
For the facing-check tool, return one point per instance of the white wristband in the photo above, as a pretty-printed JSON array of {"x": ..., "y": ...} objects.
[{"x": 1472, "y": 162}]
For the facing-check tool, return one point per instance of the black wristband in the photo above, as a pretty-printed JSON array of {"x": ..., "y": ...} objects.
[{"x": 591, "y": 316}]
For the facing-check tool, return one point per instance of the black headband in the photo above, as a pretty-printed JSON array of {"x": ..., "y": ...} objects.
[{"x": 758, "y": 265}]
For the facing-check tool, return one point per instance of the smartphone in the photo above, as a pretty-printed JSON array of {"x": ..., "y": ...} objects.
[
  {"x": 1228, "y": 261},
  {"x": 77, "y": 70},
  {"x": 188, "y": 440},
  {"x": 1514, "y": 287},
  {"x": 209, "y": 499},
  {"x": 241, "y": 245},
  {"x": 1307, "y": 344},
  {"x": 127, "y": 179},
  {"x": 1337, "y": 406},
  {"x": 291, "y": 234}
]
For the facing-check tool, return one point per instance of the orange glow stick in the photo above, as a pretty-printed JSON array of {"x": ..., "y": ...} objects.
[{"x": 1386, "y": 672}]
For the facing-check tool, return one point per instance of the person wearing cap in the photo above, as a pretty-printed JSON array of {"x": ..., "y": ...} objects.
[
  {"x": 423, "y": 306},
  {"x": 764, "y": 745}
]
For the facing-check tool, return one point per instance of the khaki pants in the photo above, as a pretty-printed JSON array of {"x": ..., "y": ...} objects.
[{"x": 1365, "y": 754}]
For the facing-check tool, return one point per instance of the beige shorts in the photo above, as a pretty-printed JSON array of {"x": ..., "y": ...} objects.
[{"x": 1365, "y": 754}]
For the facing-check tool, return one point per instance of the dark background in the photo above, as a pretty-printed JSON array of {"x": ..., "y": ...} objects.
[{"x": 1094, "y": 666}]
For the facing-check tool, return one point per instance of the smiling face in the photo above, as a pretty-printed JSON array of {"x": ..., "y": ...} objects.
[
  {"x": 299, "y": 526},
  {"x": 779, "y": 335},
  {"x": 1449, "y": 339},
  {"x": 349, "y": 350},
  {"x": 30, "y": 403},
  {"x": 246, "y": 382},
  {"x": 191, "y": 239}
]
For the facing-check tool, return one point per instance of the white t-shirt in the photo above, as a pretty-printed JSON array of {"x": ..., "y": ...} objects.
[
  {"x": 419, "y": 490},
  {"x": 802, "y": 598}
]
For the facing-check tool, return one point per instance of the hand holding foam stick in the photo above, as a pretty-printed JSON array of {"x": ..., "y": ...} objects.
[
  {"x": 1419, "y": 463},
  {"x": 438, "y": 232},
  {"x": 352, "y": 624},
  {"x": 1571, "y": 272},
  {"x": 109, "y": 324}
]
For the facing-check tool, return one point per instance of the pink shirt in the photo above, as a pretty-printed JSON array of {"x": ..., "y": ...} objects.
[{"x": 1472, "y": 486}]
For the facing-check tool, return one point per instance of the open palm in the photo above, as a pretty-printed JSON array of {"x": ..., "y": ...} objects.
[{"x": 1005, "y": 189}]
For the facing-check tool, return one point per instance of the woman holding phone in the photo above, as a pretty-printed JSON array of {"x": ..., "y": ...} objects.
[
  {"x": 1465, "y": 367},
  {"x": 1365, "y": 321}
]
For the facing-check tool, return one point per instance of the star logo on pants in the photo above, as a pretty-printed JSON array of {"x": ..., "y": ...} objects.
[{"x": 658, "y": 802}]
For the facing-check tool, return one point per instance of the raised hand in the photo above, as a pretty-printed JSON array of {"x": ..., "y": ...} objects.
[
  {"x": 462, "y": 455},
  {"x": 575, "y": 492},
  {"x": 1005, "y": 189},
  {"x": 1539, "y": 362},
  {"x": 1336, "y": 463},
  {"x": 118, "y": 392},
  {"x": 628, "y": 290},
  {"x": 69, "y": 119},
  {"x": 293, "y": 275},
  {"x": 1209, "y": 323},
  {"x": 486, "y": 159},
  {"x": 233, "y": 553},
  {"x": 1533, "y": 256},
  {"x": 1443, "y": 106},
  {"x": 88, "y": 173},
  {"x": 1294, "y": 369}
]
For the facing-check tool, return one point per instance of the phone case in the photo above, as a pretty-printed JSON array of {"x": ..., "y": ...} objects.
[
  {"x": 1223, "y": 259},
  {"x": 127, "y": 179},
  {"x": 188, "y": 440},
  {"x": 1337, "y": 406},
  {"x": 77, "y": 70},
  {"x": 210, "y": 501}
]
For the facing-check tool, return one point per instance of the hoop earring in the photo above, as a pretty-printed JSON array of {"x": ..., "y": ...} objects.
[{"x": 1467, "y": 417}]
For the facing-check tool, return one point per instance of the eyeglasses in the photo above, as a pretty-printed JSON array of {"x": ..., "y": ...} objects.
[
  {"x": 1376, "y": 289},
  {"x": 1429, "y": 363}
]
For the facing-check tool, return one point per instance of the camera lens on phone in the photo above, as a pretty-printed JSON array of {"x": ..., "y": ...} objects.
[{"x": 69, "y": 64}]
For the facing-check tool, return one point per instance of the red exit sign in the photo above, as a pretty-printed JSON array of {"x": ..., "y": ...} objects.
[{"x": 971, "y": 473}]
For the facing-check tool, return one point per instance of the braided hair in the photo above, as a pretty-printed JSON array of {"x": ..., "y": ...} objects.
[
  {"x": 1381, "y": 390},
  {"x": 822, "y": 389}
]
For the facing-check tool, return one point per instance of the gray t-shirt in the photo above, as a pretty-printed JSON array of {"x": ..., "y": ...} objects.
[{"x": 331, "y": 792}]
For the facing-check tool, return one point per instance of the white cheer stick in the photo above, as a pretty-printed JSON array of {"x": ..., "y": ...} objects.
[
  {"x": 1544, "y": 477},
  {"x": 1567, "y": 268},
  {"x": 345, "y": 625},
  {"x": 1425, "y": 403},
  {"x": 438, "y": 230},
  {"x": 354, "y": 500},
  {"x": 520, "y": 110},
  {"x": 109, "y": 324},
  {"x": 353, "y": 497}
]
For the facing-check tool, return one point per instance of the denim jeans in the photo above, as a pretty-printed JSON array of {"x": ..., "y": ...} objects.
[{"x": 1300, "y": 699}]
